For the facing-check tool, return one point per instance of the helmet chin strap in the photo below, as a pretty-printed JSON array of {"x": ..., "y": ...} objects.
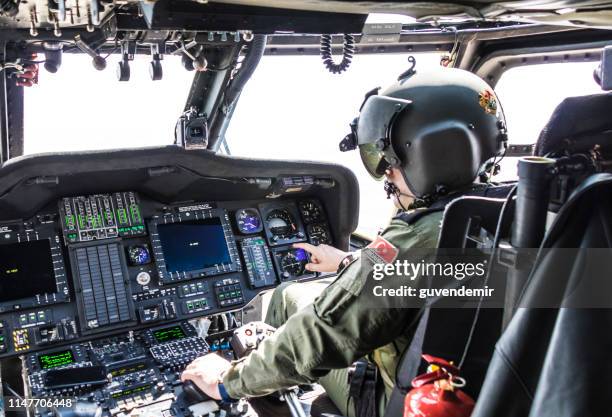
[{"x": 392, "y": 189}]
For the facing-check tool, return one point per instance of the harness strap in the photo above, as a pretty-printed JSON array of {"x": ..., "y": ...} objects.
[
  {"x": 363, "y": 377},
  {"x": 407, "y": 368}
]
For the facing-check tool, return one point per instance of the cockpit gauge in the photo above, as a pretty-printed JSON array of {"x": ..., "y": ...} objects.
[
  {"x": 311, "y": 211},
  {"x": 282, "y": 225},
  {"x": 318, "y": 234},
  {"x": 248, "y": 221},
  {"x": 139, "y": 255},
  {"x": 291, "y": 263}
]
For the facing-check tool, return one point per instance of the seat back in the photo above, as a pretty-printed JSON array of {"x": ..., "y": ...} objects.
[
  {"x": 471, "y": 222},
  {"x": 545, "y": 354},
  {"x": 576, "y": 125},
  {"x": 468, "y": 222}
]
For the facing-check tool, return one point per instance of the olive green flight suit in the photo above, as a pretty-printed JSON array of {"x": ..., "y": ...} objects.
[{"x": 323, "y": 329}]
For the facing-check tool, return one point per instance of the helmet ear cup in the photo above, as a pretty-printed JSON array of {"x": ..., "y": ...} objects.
[{"x": 441, "y": 157}]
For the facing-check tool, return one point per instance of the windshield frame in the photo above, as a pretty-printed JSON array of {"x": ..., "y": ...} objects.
[{"x": 481, "y": 50}]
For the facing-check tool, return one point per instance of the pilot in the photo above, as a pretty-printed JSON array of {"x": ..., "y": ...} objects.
[{"x": 429, "y": 135}]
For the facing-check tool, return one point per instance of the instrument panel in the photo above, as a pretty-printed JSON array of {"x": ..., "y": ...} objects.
[
  {"x": 107, "y": 263},
  {"x": 123, "y": 375}
]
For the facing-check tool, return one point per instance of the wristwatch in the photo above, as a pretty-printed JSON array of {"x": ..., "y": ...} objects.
[{"x": 345, "y": 262}]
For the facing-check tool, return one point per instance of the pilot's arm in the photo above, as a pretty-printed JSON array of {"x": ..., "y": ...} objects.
[{"x": 337, "y": 329}]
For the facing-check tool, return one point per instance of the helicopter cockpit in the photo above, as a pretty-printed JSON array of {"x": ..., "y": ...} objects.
[{"x": 119, "y": 267}]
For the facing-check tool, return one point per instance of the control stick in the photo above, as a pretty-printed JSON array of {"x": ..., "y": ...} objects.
[
  {"x": 194, "y": 393},
  {"x": 246, "y": 339}
]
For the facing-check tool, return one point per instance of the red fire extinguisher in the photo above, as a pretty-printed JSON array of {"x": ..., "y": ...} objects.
[{"x": 436, "y": 393}]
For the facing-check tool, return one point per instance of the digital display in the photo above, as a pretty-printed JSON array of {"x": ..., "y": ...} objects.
[
  {"x": 168, "y": 334},
  {"x": 128, "y": 369},
  {"x": 26, "y": 270},
  {"x": 131, "y": 391},
  {"x": 301, "y": 255},
  {"x": 71, "y": 377},
  {"x": 194, "y": 245},
  {"x": 53, "y": 360}
]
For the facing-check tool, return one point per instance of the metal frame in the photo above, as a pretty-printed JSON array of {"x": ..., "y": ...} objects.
[
  {"x": 496, "y": 64},
  {"x": 4, "y": 110},
  {"x": 487, "y": 49},
  {"x": 490, "y": 59}
]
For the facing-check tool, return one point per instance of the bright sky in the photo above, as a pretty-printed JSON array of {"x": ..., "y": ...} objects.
[
  {"x": 292, "y": 108},
  {"x": 79, "y": 108}
]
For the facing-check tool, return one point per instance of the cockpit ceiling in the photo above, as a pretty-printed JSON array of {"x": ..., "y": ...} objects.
[
  {"x": 300, "y": 16},
  {"x": 593, "y": 13}
]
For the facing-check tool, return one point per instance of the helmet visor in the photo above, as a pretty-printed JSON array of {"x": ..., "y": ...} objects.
[{"x": 373, "y": 159}]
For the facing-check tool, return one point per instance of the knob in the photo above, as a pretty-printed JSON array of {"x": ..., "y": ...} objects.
[{"x": 143, "y": 278}]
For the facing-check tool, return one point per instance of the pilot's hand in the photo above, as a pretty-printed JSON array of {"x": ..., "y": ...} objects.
[
  {"x": 205, "y": 372},
  {"x": 324, "y": 258}
]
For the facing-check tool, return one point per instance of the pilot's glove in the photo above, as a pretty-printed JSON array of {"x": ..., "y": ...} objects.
[
  {"x": 206, "y": 372},
  {"x": 323, "y": 258}
]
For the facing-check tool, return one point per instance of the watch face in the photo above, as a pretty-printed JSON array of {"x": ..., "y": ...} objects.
[{"x": 347, "y": 260}]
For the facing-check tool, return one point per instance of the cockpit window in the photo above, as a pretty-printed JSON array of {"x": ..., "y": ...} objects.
[
  {"x": 293, "y": 108},
  {"x": 529, "y": 95},
  {"x": 79, "y": 108}
]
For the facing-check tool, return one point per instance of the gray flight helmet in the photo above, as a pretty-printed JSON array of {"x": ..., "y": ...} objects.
[{"x": 439, "y": 127}]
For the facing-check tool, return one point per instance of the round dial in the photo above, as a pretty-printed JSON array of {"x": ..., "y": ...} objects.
[
  {"x": 281, "y": 224},
  {"x": 318, "y": 234},
  {"x": 293, "y": 263},
  {"x": 139, "y": 255},
  {"x": 143, "y": 278},
  {"x": 311, "y": 212},
  {"x": 248, "y": 221}
]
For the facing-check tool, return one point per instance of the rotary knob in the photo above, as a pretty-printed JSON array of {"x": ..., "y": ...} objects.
[{"x": 143, "y": 278}]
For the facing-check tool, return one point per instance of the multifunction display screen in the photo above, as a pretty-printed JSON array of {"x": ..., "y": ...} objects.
[
  {"x": 169, "y": 334},
  {"x": 53, "y": 360},
  {"x": 26, "y": 270},
  {"x": 194, "y": 245}
]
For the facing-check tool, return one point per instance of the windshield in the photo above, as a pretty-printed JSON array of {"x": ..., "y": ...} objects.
[
  {"x": 79, "y": 108},
  {"x": 293, "y": 108}
]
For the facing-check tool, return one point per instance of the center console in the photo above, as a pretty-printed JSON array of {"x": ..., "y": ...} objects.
[{"x": 135, "y": 373}]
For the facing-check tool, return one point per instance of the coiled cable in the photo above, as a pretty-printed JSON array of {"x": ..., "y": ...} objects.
[
  {"x": 8, "y": 8},
  {"x": 348, "y": 50}
]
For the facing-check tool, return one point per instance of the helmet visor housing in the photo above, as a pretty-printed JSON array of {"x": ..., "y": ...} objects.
[{"x": 373, "y": 128}]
